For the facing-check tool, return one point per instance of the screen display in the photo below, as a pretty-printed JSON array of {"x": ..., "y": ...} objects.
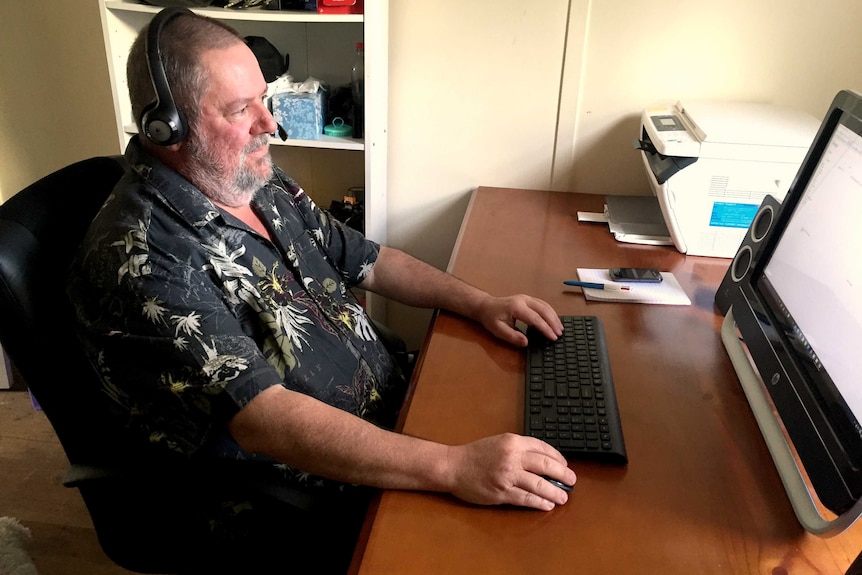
[{"x": 815, "y": 272}]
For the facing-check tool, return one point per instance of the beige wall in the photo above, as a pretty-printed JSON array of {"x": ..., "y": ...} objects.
[
  {"x": 474, "y": 92},
  {"x": 796, "y": 53},
  {"x": 55, "y": 102},
  {"x": 474, "y": 85},
  {"x": 472, "y": 101}
]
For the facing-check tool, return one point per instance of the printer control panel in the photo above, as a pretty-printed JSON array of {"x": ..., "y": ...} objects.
[
  {"x": 667, "y": 123},
  {"x": 668, "y": 132}
]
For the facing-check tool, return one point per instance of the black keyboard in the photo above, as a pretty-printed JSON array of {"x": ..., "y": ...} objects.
[{"x": 570, "y": 399}]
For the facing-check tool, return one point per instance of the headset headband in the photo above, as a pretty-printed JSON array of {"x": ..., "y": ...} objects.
[{"x": 162, "y": 122}]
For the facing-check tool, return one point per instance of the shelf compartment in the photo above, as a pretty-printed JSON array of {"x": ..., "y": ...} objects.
[{"x": 250, "y": 14}]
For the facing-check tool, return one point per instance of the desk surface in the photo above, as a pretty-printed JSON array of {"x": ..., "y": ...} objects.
[{"x": 700, "y": 493}]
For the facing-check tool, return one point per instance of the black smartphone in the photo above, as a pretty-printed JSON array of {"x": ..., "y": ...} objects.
[{"x": 635, "y": 275}]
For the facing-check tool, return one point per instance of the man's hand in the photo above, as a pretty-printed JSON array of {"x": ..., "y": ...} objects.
[
  {"x": 499, "y": 314},
  {"x": 508, "y": 469}
]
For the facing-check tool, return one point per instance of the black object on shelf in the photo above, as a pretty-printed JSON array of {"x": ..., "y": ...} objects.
[
  {"x": 310, "y": 5},
  {"x": 271, "y": 62},
  {"x": 351, "y": 214}
]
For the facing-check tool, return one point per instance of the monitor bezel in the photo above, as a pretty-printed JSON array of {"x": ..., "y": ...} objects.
[{"x": 821, "y": 432}]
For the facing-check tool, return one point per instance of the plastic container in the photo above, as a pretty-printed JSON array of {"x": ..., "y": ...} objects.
[{"x": 337, "y": 128}]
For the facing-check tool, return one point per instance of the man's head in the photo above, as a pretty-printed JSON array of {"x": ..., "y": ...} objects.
[{"x": 216, "y": 81}]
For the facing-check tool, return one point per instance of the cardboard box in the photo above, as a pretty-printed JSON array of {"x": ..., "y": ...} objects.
[{"x": 301, "y": 115}]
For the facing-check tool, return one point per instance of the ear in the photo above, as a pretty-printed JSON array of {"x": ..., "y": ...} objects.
[{"x": 173, "y": 155}]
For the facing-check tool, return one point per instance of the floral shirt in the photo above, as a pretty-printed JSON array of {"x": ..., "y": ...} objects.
[{"x": 187, "y": 314}]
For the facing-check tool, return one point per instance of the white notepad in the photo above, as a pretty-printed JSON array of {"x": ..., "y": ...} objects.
[{"x": 667, "y": 292}]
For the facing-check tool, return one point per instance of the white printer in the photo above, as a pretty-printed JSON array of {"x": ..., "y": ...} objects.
[{"x": 710, "y": 164}]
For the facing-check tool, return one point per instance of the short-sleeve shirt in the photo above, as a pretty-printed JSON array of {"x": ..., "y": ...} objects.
[{"x": 188, "y": 314}]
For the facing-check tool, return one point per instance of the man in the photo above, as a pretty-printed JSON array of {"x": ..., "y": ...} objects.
[{"x": 213, "y": 298}]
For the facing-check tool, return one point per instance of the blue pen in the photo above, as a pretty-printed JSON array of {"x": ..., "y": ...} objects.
[{"x": 594, "y": 285}]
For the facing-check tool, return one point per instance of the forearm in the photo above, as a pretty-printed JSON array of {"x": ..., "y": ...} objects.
[
  {"x": 310, "y": 435},
  {"x": 405, "y": 279}
]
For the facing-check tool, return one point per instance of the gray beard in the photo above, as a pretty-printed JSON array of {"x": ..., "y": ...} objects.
[{"x": 214, "y": 179}]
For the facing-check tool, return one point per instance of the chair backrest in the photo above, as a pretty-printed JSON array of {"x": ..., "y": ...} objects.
[{"x": 40, "y": 230}]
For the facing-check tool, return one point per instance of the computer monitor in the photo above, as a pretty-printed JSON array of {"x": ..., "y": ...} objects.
[{"x": 797, "y": 318}]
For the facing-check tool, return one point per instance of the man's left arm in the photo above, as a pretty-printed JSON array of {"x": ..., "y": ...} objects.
[{"x": 401, "y": 277}]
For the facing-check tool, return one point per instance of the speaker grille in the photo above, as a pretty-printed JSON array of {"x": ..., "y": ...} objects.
[
  {"x": 762, "y": 223},
  {"x": 741, "y": 263}
]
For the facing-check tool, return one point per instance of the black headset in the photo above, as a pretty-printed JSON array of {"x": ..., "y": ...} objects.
[{"x": 162, "y": 122}]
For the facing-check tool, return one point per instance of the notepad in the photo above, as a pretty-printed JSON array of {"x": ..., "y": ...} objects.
[{"x": 667, "y": 292}]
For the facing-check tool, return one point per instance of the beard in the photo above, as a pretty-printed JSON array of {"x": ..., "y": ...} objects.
[{"x": 230, "y": 185}]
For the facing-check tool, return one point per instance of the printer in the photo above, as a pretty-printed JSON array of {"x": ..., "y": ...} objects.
[{"x": 710, "y": 164}]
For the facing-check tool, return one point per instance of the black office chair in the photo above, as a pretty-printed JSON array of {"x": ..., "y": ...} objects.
[{"x": 149, "y": 511}]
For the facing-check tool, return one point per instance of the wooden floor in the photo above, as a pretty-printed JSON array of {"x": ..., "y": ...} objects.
[{"x": 32, "y": 463}]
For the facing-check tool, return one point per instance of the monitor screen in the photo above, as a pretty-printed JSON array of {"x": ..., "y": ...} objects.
[{"x": 799, "y": 312}]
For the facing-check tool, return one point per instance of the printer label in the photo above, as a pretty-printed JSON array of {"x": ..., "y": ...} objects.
[{"x": 730, "y": 215}]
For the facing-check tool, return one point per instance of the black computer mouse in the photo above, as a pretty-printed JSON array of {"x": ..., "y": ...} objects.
[{"x": 557, "y": 483}]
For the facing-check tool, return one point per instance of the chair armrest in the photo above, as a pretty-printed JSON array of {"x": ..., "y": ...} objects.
[{"x": 87, "y": 475}]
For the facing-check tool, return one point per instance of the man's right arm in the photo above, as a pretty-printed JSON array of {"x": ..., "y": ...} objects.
[{"x": 308, "y": 434}]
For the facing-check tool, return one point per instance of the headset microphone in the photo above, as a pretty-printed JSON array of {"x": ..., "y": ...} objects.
[{"x": 162, "y": 122}]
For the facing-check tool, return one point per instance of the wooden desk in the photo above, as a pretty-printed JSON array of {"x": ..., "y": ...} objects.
[{"x": 700, "y": 494}]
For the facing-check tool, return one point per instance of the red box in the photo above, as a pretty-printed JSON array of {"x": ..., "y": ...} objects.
[{"x": 340, "y": 6}]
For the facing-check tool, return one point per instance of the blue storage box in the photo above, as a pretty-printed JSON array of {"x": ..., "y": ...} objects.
[{"x": 301, "y": 115}]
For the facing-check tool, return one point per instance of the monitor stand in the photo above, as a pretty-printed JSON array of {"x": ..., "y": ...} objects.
[{"x": 788, "y": 469}]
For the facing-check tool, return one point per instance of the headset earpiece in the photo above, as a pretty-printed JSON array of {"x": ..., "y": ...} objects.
[{"x": 162, "y": 122}]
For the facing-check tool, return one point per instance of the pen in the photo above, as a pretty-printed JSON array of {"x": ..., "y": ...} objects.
[{"x": 594, "y": 285}]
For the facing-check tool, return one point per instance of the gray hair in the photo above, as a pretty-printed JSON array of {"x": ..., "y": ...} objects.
[{"x": 183, "y": 39}]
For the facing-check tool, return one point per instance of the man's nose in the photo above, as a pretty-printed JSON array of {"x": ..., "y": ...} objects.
[{"x": 266, "y": 121}]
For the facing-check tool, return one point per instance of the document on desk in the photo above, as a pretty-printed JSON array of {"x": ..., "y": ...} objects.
[{"x": 667, "y": 292}]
